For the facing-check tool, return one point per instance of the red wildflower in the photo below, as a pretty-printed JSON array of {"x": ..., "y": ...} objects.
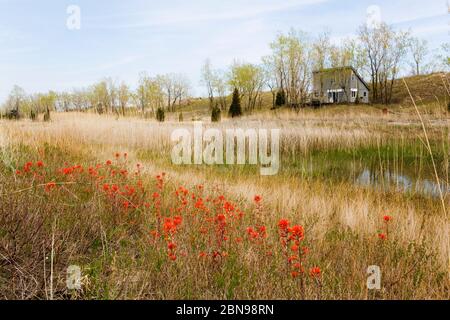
[
  {"x": 315, "y": 272},
  {"x": 283, "y": 224},
  {"x": 305, "y": 250},
  {"x": 171, "y": 246},
  {"x": 382, "y": 236},
  {"x": 105, "y": 187},
  {"x": 68, "y": 170},
  {"x": 109, "y": 162},
  {"x": 199, "y": 204},
  {"x": 49, "y": 186},
  {"x": 27, "y": 166},
  {"x": 172, "y": 257},
  {"x": 257, "y": 199},
  {"x": 177, "y": 220},
  {"x": 154, "y": 234},
  {"x": 297, "y": 232},
  {"x": 221, "y": 218},
  {"x": 387, "y": 218},
  {"x": 40, "y": 164},
  {"x": 228, "y": 206}
]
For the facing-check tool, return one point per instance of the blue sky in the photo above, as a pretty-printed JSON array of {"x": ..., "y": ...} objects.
[{"x": 119, "y": 39}]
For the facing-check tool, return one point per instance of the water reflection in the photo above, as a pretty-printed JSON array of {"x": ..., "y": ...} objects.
[{"x": 402, "y": 183}]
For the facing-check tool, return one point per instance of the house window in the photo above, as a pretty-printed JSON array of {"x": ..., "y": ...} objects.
[
  {"x": 365, "y": 94},
  {"x": 353, "y": 94}
]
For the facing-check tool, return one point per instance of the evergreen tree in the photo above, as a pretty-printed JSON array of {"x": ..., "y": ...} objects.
[
  {"x": 235, "y": 108},
  {"x": 280, "y": 99}
]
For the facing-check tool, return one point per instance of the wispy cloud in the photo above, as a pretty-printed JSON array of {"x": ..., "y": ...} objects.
[
  {"x": 189, "y": 13},
  {"x": 107, "y": 65}
]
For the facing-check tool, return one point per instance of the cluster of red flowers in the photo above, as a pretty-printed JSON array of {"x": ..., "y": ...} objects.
[
  {"x": 384, "y": 235},
  {"x": 31, "y": 168},
  {"x": 206, "y": 222},
  {"x": 256, "y": 234},
  {"x": 291, "y": 239}
]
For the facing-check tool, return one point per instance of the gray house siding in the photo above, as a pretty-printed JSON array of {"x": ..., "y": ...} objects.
[{"x": 339, "y": 85}]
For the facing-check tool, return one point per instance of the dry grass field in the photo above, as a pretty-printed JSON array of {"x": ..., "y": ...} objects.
[{"x": 356, "y": 188}]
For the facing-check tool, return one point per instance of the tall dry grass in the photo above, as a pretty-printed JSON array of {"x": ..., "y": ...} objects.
[{"x": 342, "y": 220}]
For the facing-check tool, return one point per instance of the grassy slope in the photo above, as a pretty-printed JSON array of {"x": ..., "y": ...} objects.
[{"x": 428, "y": 90}]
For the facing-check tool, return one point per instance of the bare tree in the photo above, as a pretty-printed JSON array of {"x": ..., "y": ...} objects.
[
  {"x": 207, "y": 79},
  {"x": 124, "y": 97},
  {"x": 321, "y": 51},
  {"x": 249, "y": 80},
  {"x": 270, "y": 78},
  {"x": 220, "y": 87},
  {"x": 419, "y": 52},
  {"x": 112, "y": 94},
  {"x": 292, "y": 55},
  {"x": 175, "y": 87},
  {"x": 385, "y": 51}
]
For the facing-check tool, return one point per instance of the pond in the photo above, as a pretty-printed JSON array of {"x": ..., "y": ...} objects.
[{"x": 402, "y": 183}]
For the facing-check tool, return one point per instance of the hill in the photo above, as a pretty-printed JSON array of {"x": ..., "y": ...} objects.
[{"x": 424, "y": 88}]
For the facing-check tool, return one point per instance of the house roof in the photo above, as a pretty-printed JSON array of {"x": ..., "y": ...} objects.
[{"x": 344, "y": 68}]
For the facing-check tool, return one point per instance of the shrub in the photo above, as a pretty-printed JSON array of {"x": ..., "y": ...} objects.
[
  {"x": 47, "y": 115},
  {"x": 33, "y": 115},
  {"x": 100, "y": 108},
  {"x": 160, "y": 116},
  {"x": 13, "y": 114},
  {"x": 280, "y": 100},
  {"x": 235, "y": 108},
  {"x": 216, "y": 114}
]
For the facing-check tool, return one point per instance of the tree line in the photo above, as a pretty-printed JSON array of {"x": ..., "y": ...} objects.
[
  {"x": 106, "y": 96},
  {"x": 379, "y": 54}
]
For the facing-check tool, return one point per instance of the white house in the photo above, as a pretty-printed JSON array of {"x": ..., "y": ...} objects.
[{"x": 339, "y": 85}]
